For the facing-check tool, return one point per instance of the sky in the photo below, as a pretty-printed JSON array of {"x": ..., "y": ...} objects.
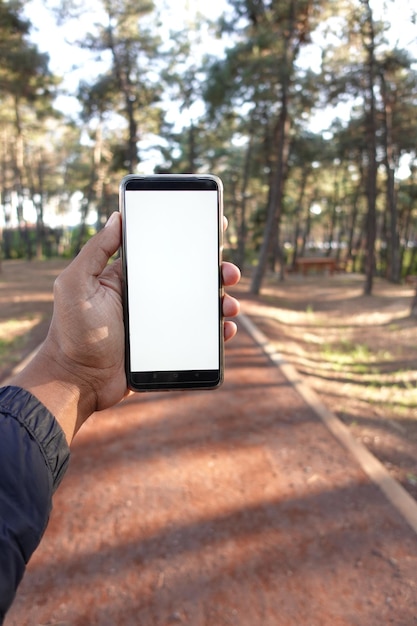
[{"x": 74, "y": 64}]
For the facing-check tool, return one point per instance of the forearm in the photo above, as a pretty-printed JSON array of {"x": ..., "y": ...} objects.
[
  {"x": 64, "y": 395},
  {"x": 34, "y": 456}
]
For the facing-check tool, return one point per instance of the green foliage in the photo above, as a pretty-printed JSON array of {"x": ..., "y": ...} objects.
[
  {"x": 24, "y": 70},
  {"x": 254, "y": 128},
  {"x": 75, "y": 242}
]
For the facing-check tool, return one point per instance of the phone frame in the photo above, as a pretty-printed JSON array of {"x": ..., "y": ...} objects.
[{"x": 178, "y": 379}]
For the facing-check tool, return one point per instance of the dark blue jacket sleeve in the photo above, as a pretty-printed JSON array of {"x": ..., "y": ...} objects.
[{"x": 33, "y": 458}]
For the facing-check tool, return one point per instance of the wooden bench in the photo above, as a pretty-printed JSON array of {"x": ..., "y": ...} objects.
[
  {"x": 411, "y": 280},
  {"x": 319, "y": 264}
]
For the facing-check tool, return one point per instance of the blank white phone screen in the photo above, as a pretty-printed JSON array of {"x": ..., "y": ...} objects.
[{"x": 172, "y": 255}]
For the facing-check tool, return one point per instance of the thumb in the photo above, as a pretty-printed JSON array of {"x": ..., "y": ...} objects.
[{"x": 96, "y": 253}]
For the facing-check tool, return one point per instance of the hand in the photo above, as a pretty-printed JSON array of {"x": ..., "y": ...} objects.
[{"x": 80, "y": 367}]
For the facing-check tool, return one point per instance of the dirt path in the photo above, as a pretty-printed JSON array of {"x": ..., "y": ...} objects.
[
  {"x": 217, "y": 508},
  {"x": 232, "y": 507},
  {"x": 359, "y": 353}
]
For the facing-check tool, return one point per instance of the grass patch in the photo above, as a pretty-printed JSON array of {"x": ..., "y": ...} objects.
[
  {"x": 345, "y": 353},
  {"x": 358, "y": 357},
  {"x": 13, "y": 334},
  {"x": 9, "y": 349},
  {"x": 6, "y": 346}
]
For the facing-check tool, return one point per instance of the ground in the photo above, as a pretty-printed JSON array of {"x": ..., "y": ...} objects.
[
  {"x": 235, "y": 506},
  {"x": 25, "y": 308},
  {"x": 358, "y": 352}
]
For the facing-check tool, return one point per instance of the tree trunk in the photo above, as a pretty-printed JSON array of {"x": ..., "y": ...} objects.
[
  {"x": 38, "y": 189},
  {"x": 93, "y": 192},
  {"x": 132, "y": 150},
  {"x": 125, "y": 86},
  {"x": 333, "y": 217},
  {"x": 372, "y": 156},
  {"x": 354, "y": 217},
  {"x": 306, "y": 233},
  {"x": 413, "y": 310},
  {"x": 192, "y": 150},
  {"x": 412, "y": 262},
  {"x": 241, "y": 212},
  {"x": 298, "y": 210},
  {"x": 275, "y": 200},
  {"x": 394, "y": 258}
]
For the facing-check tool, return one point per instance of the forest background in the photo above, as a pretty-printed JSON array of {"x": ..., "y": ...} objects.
[{"x": 305, "y": 108}]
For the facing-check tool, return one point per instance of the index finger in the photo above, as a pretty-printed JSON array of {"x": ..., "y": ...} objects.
[{"x": 230, "y": 274}]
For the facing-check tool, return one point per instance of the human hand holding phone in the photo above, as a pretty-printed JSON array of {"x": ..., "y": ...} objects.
[{"x": 80, "y": 367}]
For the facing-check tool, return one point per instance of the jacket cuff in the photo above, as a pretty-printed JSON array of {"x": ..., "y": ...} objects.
[{"x": 41, "y": 426}]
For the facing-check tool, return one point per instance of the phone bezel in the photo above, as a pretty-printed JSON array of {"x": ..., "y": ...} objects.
[{"x": 180, "y": 379}]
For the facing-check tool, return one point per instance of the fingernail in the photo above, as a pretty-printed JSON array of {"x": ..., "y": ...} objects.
[{"x": 111, "y": 219}]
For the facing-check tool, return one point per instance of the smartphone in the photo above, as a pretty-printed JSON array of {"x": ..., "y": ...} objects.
[{"x": 171, "y": 254}]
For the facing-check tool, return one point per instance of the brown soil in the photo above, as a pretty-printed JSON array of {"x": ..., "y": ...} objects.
[
  {"x": 217, "y": 508},
  {"x": 358, "y": 352},
  {"x": 26, "y": 302}
]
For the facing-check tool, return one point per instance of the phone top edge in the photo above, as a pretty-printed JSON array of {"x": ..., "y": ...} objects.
[
  {"x": 129, "y": 177},
  {"x": 153, "y": 180}
]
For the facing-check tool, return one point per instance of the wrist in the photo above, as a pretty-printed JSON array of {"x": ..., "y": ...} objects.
[{"x": 52, "y": 379}]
